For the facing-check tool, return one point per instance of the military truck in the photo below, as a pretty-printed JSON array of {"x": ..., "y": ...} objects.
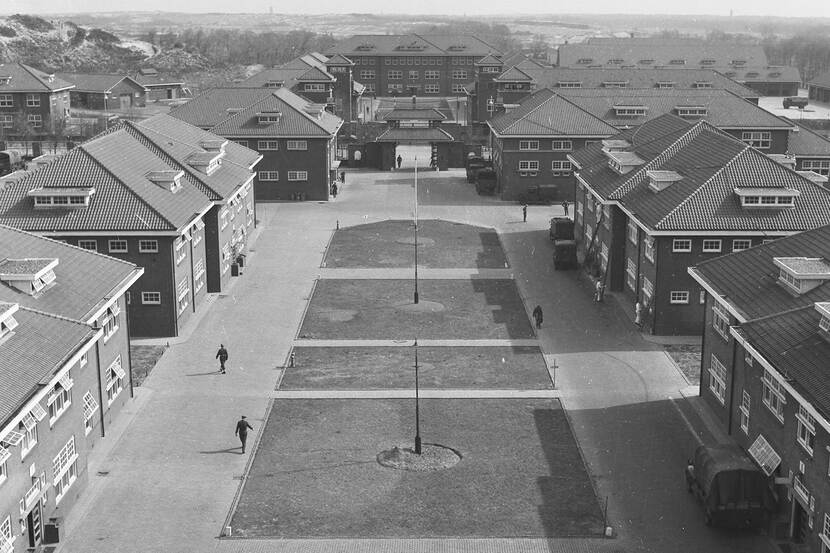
[
  {"x": 486, "y": 181},
  {"x": 798, "y": 101},
  {"x": 564, "y": 245},
  {"x": 735, "y": 493}
]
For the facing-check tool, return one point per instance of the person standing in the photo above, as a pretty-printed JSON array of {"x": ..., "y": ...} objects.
[
  {"x": 565, "y": 207},
  {"x": 343, "y": 177},
  {"x": 638, "y": 314},
  {"x": 537, "y": 316},
  {"x": 399, "y": 160},
  {"x": 524, "y": 213},
  {"x": 334, "y": 190},
  {"x": 600, "y": 290},
  {"x": 242, "y": 428},
  {"x": 222, "y": 356}
]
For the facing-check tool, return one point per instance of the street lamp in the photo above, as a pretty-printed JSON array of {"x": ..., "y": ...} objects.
[
  {"x": 417, "y": 406},
  {"x": 416, "y": 229}
]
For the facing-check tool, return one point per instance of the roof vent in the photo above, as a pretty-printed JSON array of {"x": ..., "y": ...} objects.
[
  {"x": 206, "y": 162},
  {"x": 170, "y": 180},
  {"x": 29, "y": 275},
  {"x": 622, "y": 162},
  {"x": 5, "y": 79},
  {"x": 660, "y": 180},
  {"x": 802, "y": 274},
  {"x": 50, "y": 78}
]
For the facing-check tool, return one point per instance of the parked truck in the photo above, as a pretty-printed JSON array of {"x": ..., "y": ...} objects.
[
  {"x": 564, "y": 245},
  {"x": 10, "y": 161},
  {"x": 486, "y": 181},
  {"x": 734, "y": 492}
]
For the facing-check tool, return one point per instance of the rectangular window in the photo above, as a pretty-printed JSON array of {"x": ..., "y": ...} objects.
[
  {"x": 110, "y": 322},
  {"x": 6, "y": 101},
  {"x": 183, "y": 294},
  {"x": 431, "y": 75},
  {"x": 91, "y": 245},
  {"x": 368, "y": 74},
  {"x": 151, "y": 298},
  {"x": 297, "y": 145},
  {"x": 648, "y": 248},
  {"x": 412, "y": 74},
  {"x": 745, "y": 404},
  {"x": 711, "y": 246},
  {"x": 118, "y": 246},
  {"x": 64, "y": 469},
  {"x": 35, "y": 120},
  {"x": 266, "y": 176},
  {"x": 6, "y": 121},
  {"x": 458, "y": 89},
  {"x": 761, "y": 140},
  {"x": 296, "y": 176},
  {"x": 148, "y": 246},
  {"x": 528, "y": 168},
  {"x": 774, "y": 396},
  {"x": 115, "y": 380},
  {"x": 681, "y": 245},
  {"x": 59, "y": 399},
  {"x": 199, "y": 275},
  {"x": 633, "y": 231},
  {"x": 528, "y": 144},
  {"x": 90, "y": 408},
  {"x": 717, "y": 379},
  {"x": 432, "y": 89},
  {"x": 267, "y": 145},
  {"x": 562, "y": 145},
  {"x": 33, "y": 100},
  {"x": 679, "y": 296},
  {"x": 28, "y": 428},
  {"x": 315, "y": 87},
  {"x": 720, "y": 319},
  {"x": 560, "y": 168},
  {"x": 806, "y": 430},
  {"x": 241, "y": 142},
  {"x": 648, "y": 290},
  {"x": 6, "y": 533},
  {"x": 631, "y": 275},
  {"x": 741, "y": 245},
  {"x": 822, "y": 167},
  {"x": 459, "y": 74},
  {"x": 394, "y": 75}
]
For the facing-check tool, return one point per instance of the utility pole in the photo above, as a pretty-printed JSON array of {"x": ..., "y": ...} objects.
[
  {"x": 417, "y": 405},
  {"x": 416, "y": 232}
]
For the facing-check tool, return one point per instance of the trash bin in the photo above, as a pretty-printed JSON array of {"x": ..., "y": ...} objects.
[{"x": 234, "y": 269}]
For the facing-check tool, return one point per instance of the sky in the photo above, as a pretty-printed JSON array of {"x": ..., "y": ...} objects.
[{"x": 791, "y": 8}]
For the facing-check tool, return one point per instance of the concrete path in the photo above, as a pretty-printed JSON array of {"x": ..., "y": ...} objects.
[
  {"x": 425, "y": 393},
  {"x": 174, "y": 466},
  {"x": 425, "y": 273},
  {"x": 421, "y": 342}
]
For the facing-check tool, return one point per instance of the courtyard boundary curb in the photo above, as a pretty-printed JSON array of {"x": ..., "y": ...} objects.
[{"x": 305, "y": 309}]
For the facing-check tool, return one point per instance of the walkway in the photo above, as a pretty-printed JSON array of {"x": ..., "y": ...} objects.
[{"x": 173, "y": 468}]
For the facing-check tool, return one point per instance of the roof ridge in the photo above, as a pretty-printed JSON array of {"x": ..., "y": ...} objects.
[
  {"x": 638, "y": 176},
  {"x": 93, "y": 252},
  {"x": 118, "y": 180},
  {"x": 532, "y": 110},
  {"x": 703, "y": 184},
  {"x": 54, "y": 315},
  {"x": 169, "y": 159},
  {"x": 30, "y": 70},
  {"x": 808, "y": 307},
  {"x": 298, "y": 110}
]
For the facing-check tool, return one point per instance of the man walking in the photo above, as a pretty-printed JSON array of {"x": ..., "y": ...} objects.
[
  {"x": 399, "y": 160},
  {"x": 537, "y": 316},
  {"x": 600, "y": 290},
  {"x": 222, "y": 356},
  {"x": 242, "y": 428},
  {"x": 524, "y": 213},
  {"x": 565, "y": 207}
]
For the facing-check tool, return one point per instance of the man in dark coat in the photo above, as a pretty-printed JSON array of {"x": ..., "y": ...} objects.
[
  {"x": 399, "y": 160},
  {"x": 242, "y": 428},
  {"x": 524, "y": 213},
  {"x": 222, "y": 356},
  {"x": 537, "y": 316}
]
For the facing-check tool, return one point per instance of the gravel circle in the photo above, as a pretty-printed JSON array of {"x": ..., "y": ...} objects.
[
  {"x": 432, "y": 457},
  {"x": 421, "y": 307},
  {"x": 410, "y": 241}
]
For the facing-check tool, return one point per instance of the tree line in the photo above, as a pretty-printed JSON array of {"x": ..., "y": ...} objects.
[{"x": 808, "y": 50}]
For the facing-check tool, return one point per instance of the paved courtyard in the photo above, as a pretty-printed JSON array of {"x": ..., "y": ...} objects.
[{"x": 168, "y": 474}]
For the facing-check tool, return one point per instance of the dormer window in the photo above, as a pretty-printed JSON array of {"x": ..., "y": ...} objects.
[
  {"x": 232, "y": 111},
  {"x": 205, "y": 162},
  {"x": 646, "y": 62},
  {"x": 7, "y": 320},
  {"x": 213, "y": 145},
  {"x": 170, "y": 180},
  {"x": 29, "y": 275},
  {"x": 802, "y": 274},
  {"x": 268, "y": 117},
  {"x": 677, "y": 62},
  {"x": 622, "y": 162},
  {"x": 570, "y": 84},
  {"x": 5, "y": 79},
  {"x": 615, "y": 84},
  {"x": 660, "y": 180},
  {"x": 585, "y": 61},
  {"x": 274, "y": 83},
  {"x": 824, "y": 324},
  {"x": 767, "y": 198},
  {"x": 666, "y": 84},
  {"x": 365, "y": 47},
  {"x": 615, "y": 61},
  {"x": 703, "y": 84},
  {"x": 615, "y": 145},
  {"x": 630, "y": 111},
  {"x": 783, "y": 159},
  {"x": 57, "y": 197},
  {"x": 738, "y": 63},
  {"x": 690, "y": 112},
  {"x": 708, "y": 61},
  {"x": 752, "y": 75}
]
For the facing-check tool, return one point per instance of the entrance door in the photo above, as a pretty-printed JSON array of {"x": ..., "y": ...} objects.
[
  {"x": 125, "y": 101},
  {"x": 800, "y": 524},
  {"x": 35, "y": 526}
]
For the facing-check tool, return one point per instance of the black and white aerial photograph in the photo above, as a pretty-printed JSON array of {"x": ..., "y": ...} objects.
[{"x": 372, "y": 277}]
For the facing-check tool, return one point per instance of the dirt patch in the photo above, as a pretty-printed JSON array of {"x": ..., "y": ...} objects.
[
  {"x": 687, "y": 357},
  {"x": 144, "y": 359}
]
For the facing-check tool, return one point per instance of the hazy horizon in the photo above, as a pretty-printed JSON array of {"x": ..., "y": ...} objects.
[{"x": 762, "y": 8}]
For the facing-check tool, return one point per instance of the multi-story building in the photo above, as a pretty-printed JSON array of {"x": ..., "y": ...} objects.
[
  {"x": 530, "y": 146},
  {"x": 103, "y": 91},
  {"x": 492, "y": 95},
  {"x": 808, "y": 150},
  {"x": 414, "y": 64},
  {"x": 744, "y": 63},
  {"x": 296, "y": 138},
  {"x": 764, "y": 371},
  {"x": 64, "y": 374},
  {"x": 654, "y": 200},
  {"x": 320, "y": 79},
  {"x": 180, "y": 205},
  {"x": 32, "y": 103}
]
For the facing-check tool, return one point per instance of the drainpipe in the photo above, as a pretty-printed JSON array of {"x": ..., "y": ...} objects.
[
  {"x": 129, "y": 355},
  {"x": 100, "y": 387},
  {"x": 731, "y": 387},
  {"x": 703, "y": 327}
]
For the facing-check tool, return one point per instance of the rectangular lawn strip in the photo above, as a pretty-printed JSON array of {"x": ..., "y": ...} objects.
[
  {"x": 144, "y": 359},
  {"x": 378, "y": 368},
  {"x": 315, "y": 472},
  {"x": 345, "y": 309},
  {"x": 441, "y": 244}
]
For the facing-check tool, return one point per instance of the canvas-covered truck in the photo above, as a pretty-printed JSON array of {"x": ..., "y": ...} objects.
[{"x": 734, "y": 492}]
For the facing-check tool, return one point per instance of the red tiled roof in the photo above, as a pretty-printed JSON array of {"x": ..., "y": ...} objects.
[
  {"x": 547, "y": 114},
  {"x": 95, "y": 82},
  {"x": 28, "y": 79}
]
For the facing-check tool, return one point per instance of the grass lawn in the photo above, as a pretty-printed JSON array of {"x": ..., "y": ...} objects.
[
  {"x": 687, "y": 358},
  {"x": 441, "y": 244},
  {"x": 315, "y": 472},
  {"x": 144, "y": 358},
  {"x": 371, "y": 368},
  {"x": 376, "y": 309}
]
